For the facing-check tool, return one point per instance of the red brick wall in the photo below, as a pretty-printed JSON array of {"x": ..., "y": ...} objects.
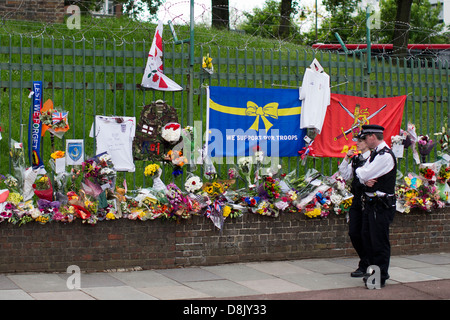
[
  {"x": 33, "y": 10},
  {"x": 165, "y": 244}
]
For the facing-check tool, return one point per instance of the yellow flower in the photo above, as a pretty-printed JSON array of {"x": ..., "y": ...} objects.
[
  {"x": 207, "y": 62},
  {"x": 43, "y": 179},
  {"x": 110, "y": 216},
  {"x": 313, "y": 213},
  {"x": 42, "y": 219},
  {"x": 15, "y": 198},
  {"x": 151, "y": 169},
  {"x": 226, "y": 211},
  {"x": 58, "y": 154}
]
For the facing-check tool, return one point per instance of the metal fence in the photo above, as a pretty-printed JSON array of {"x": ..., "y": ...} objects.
[{"x": 91, "y": 77}]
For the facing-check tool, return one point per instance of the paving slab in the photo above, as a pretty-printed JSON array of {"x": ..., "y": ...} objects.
[
  {"x": 407, "y": 263},
  {"x": 62, "y": 295},
  {"x": 39, "y": 282},
  {"x": 323, "y": 266},
  {"x": 14, "y": 294},
  {"x": 278, "y": 268},
  {"x": 238, "y": 272},
  {"x": 117, "y": 293},
  {"x": 175, "y": 292},
  {"x": 144, "y": 279},
  {"x": 313, "y": 281},
  {"x": 221, "y": 288},
  {"x": 404, "y": 275},
  {"x": 7, "y": 283},
  {"x": 438, "y": 271},
  {"x": 268, "y": 286},
  {"x": 439, "y": 258},
  {"x": 189, "y": 274}
]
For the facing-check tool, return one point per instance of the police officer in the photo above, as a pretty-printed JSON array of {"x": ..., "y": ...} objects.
[
  {"x": 379, "y": 175},
  {"x": 347, "y": 170}
]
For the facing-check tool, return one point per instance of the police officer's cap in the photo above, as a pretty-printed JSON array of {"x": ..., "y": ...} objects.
[{"x": 369, "y": 129}]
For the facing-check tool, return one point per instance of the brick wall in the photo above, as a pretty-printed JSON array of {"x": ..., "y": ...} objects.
[
  {"x": 34, "y": 10},
  {"x": 165, "y": 244}
]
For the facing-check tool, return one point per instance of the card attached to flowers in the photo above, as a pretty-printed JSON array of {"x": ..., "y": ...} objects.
[{"x": 58, "y": 161}]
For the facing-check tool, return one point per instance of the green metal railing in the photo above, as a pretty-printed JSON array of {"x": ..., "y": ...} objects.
[{"x": 92, "y": 76}]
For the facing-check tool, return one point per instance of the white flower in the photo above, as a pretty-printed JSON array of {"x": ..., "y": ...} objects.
[
  {"x": 35, "y": 213},
  {"x": 193, "y": 184},
  {"x": 281, "y": 205},
  {"x": 259, "y": 156},
  {"x": 106, "y": 157},
  {"x": 397, "y": 139},
  {"x": 171, "y": 132},
  {"x": 336, "y": 198}
]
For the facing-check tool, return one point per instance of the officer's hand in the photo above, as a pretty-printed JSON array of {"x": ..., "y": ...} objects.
[
  {"x": 350, "y": 153},
  {"x": 371, "y": 182}
]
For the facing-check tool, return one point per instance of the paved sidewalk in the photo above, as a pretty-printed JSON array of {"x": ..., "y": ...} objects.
[{"x": 425, "y": 276}]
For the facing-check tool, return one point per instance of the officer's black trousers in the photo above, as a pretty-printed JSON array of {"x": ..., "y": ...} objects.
[
  {"x": 376, "y": 220},
  {"x": 355, "y": 228}
]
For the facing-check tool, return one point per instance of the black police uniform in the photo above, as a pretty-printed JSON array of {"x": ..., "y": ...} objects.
[
  {"x": 355, "y": 218},
  {"x": 378, "y": 214}
]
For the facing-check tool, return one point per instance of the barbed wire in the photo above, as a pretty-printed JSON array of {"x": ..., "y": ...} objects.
[{"x": 143, "y": 29}]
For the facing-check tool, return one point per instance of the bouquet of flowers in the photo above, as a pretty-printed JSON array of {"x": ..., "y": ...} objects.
[
  {"x": 53, "y": 120},
  {"x": 246, "y": 170},
  {"x": 213, "y": 189},
  {"x": 43, "y": 188},
  {"x": 443, "y": 174},
  {"x": 181, "y": 205},
  {"x": 171, "y": 132},
  {"x": 154, "y": 171},
  {"x": 193, "y": 184},
  {"x": 398, "y": 144},
  {"x": 443, "y": 140},
  {"x": 99, "y": 170},
  {"x": 410, "y": 140},
  {"x": 177, "y": 159},
  {"x": 428, "y": 173},
  {"x": 17, "y": 155},
  {"x": 270, "y": 188},
  {"x": 58, "y": 161},
  {"x": 266, "y": 208},
  {"x": 425, "y": 145},
  {"x": 207, "y": 64}
]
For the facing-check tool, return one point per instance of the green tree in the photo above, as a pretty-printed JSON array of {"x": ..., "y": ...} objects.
[
  {"x": 342, "y": 18},
  {"x": 423, "y": 26},
  {"x": 270, "y": 23},
  {"x": 220, "y": 14}
]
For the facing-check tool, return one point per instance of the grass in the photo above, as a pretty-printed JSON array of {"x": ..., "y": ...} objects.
[{"x": 111, "y": 53}]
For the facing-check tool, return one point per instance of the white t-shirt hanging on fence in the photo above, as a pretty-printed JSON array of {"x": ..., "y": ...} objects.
[
  {"x": 315, "y": 96},
  {"x": 115, "y": 135}
]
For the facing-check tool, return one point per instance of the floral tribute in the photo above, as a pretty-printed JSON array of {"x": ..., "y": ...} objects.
[{"x": 89, "y": 192}]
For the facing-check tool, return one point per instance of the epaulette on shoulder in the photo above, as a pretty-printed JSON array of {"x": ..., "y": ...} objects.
[{"x": 383, "y": 151}]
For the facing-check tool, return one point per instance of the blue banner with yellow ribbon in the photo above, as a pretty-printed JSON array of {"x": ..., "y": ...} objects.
[{"x": 242, "y": 120}]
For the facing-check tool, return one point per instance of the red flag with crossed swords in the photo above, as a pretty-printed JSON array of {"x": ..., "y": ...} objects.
[{"x": 345, "y": 116}]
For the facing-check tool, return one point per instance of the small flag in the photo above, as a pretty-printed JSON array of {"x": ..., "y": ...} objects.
[{"x": 153, "y": 77}]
